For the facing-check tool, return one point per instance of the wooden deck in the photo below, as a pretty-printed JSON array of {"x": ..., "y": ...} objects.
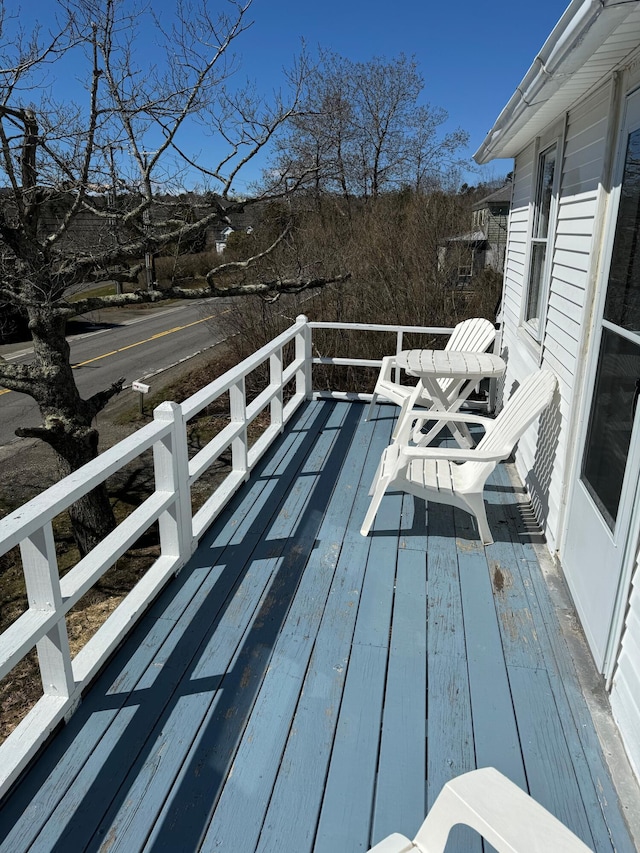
[{"x": 302, "y": 688}]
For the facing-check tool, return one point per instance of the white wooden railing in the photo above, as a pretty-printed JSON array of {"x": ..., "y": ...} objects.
[{"x": 30, "y": 527}]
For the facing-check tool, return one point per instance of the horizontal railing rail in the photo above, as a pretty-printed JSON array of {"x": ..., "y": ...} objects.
[
  {"x": 288, "y": 361},
  {"x": 399, "y": 332}
]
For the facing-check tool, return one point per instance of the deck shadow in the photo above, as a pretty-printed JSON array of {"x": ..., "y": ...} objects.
[{"x": 152, "y": 706}]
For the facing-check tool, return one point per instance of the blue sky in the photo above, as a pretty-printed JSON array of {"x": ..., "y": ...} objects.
[{"x": 472, "y": 55}]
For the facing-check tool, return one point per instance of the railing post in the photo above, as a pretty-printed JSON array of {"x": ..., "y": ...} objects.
[
  {"x": 41, "y": 577},
  {"x": 399, "y": 340},
  {"x": 275, "y": 378},
  {"x": 492, "y": 396},
  {"x": 238, "y": 412},
  {"x": 171, "y": 469},
  {"x": 303, "y": 351}
]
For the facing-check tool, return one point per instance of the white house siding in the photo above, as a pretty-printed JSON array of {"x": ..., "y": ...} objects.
[
  {"x": 517, "y": 240},
  {"x": 519, "y": 359},
  {"x": 573, "y": 258},
  {"x": 573, "y": 255},
  {"x": 625, "y": 688}
]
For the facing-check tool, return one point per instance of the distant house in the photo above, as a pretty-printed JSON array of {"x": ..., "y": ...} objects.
[
  {"x": 221, "y": 235},
  {"x": 484, "y": 246},
  {"x": 571, "y": 303},
  {"x": 491, "y": 218}
]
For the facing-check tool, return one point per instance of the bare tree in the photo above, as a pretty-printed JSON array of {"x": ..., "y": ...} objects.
[
  {"x": 87, "y": 184},
  {"x": 362, "y": 130}
]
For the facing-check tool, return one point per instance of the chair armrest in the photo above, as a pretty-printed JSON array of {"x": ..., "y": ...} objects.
[
  {"x": 386, "y": 366},
  {"x": 455, "y": 454},
  {"x": 501, "y": 812},
  {"x": 458, "y": 417},
  {"x": 395, "y": 843}
]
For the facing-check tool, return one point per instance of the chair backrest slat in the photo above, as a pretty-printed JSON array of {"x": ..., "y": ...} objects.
[
  {"x": 521, "y": 410},
  {"x": 473, "y": 335}
]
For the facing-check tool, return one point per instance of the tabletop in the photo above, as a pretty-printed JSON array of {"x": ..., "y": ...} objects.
[{"x": 450, "y": 363}]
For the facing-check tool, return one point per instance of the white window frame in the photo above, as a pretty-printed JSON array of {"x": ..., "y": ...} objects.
[{"x": 535, "y": 323}]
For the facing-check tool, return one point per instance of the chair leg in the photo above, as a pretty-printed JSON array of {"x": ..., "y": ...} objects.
[
  {"x": 371, "y": 405},
  {"x": 380, "y": 489},
  {"x": 477, "y": 508},
  {"x": 376, "y": 478},
  {"x": 407, "y": 403}
]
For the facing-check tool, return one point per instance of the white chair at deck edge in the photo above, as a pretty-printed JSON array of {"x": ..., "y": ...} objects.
[
  {"x": 473, "y": 335},
  {"x": 492, "y": 805},
  {"x": 433, "y": 473}
]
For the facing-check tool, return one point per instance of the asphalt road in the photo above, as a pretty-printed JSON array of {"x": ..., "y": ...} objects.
[{"x": 117, "y": 346}]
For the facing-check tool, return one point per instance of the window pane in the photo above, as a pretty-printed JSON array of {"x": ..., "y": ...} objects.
[
  {"x": 611, "y": 422},
  {"x": 623, "y": 295},
  {"x": 544, "y": 192},
  {"x": 538, "y": 254}
]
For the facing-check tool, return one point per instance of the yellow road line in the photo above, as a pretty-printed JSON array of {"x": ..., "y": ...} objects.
[{"x": 139, "y": 343}]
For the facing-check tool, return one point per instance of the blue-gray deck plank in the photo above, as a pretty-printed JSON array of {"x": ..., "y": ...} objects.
[
  {"x": 602, "y": 808},
  {"x": 302, "y": 688}
]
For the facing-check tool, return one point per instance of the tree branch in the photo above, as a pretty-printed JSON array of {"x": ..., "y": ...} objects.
[
  {"x": 141, "y": 297},
  {"x": 97, "y": 402},
  {"x": 248, "y": 262},
  {"x": 19, "y": 377},
  {"x": 261, "y": 288}
]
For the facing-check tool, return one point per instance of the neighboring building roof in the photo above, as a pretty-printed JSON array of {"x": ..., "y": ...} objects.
[
  {"x": 501, "y": 195},
  {"x": 592, "y": 38},
  {"x": 469, "y": 237}
]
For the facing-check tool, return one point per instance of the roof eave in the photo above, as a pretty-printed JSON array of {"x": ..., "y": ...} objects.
[{"x": 584, "y": 27}]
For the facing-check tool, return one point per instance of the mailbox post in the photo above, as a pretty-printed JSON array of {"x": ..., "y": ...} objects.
[{"x": 142, "y": 389}]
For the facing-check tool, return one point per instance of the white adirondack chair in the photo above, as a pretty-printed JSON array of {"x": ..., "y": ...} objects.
[
  {"x": 485, "y": 800},
  {"x": 474, "y": 335},
  {"x": 432, "y": 473}
]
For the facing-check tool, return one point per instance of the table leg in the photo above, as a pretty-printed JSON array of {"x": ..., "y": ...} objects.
[{"x": 443, "y": 402}]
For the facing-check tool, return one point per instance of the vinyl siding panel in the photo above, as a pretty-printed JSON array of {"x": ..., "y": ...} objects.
[
  {"x": 588, "y": 123},
  {"x": 567, "y": 273},
  {"x": 578, "y": 228},
  {"x": 578, "y": 243},
  {"x": 566, "y": 314},
  {"x": 514, "y": 270},
  {"x": 565, "y": 334},
  {"x": 555, "y": 361},
  {"x": 583, "y": 146},
  {"x": 511, "y": 306},
  {"x": 543, "y": 455},
  {"x": 625, "y": 690},
  {"x": 577, "y": 207},
  {"x": 579, "y": 261},
  {"x": 523, "y": 175},
  {"x": 567, "y": 288},
  {"x": 584, "y": 177},
  {"x": 582, "y": 168},
  {"x": 519, "y": 230},
  {"x": 517, "y": 244}
]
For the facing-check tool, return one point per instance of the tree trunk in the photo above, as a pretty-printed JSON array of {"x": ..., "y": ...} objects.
[
  {"x": 67, "y": 422},
  {"x": 91, "y": 519},
  {"x": 92, "y": 516}
]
